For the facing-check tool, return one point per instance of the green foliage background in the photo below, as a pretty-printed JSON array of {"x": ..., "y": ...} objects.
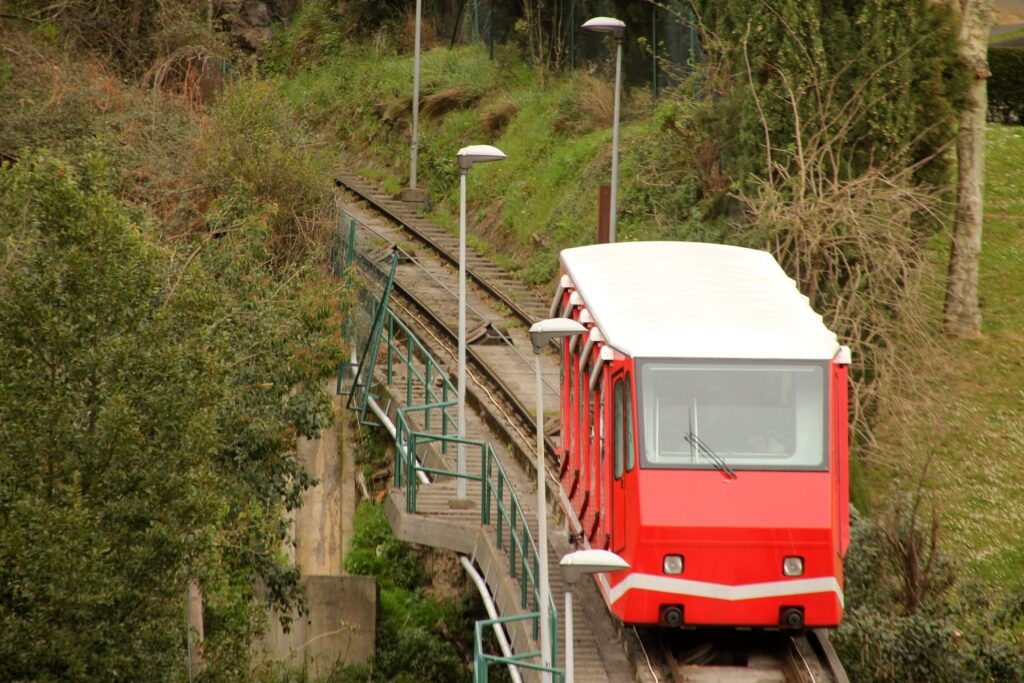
[
  {"x": 167, "y": 327},
  {"x": 880, "y": 78},
  {"x": 419, "y": 637}
]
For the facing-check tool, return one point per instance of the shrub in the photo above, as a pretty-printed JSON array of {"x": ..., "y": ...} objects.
[
  {"x": 909, "y": 620},
  {"x": 883, "y": 76},
  {"x": 252, "y": 145},
  {"x": 375, "y": 551}
]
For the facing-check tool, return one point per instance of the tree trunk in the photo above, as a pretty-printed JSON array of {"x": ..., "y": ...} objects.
[
  {"x": 962, "y": 312},
  {"x": 194, "y": 623}
]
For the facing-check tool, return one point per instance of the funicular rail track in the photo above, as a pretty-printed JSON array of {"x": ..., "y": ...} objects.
[
  {"x": 776, "y": 656},
  {"x": 484, "y": 274}
]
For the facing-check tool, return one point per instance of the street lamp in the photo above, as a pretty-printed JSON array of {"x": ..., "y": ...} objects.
[
  {"x": 616, "y": 28},
  {"x": 574, "y": 565},
  {"x": 540, "y": 334},
  {"x": 467, "y": 156},
  {"x": 415, "y": 97},
  {"x": 412, "y": 194}
]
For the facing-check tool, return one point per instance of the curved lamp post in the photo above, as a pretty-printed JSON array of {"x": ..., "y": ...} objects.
[
  {"x": 540, "y": 334},
  {"x": 616, "y": 28},
  {"x": 467, "y": 156},
  {"x": 574, "y": 565}
]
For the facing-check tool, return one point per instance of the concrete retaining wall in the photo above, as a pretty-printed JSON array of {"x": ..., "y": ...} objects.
[{"x": 341, "y": 625}]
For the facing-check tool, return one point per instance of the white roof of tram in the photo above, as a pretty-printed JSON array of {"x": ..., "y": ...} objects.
[{"x": 695, "y": 300}]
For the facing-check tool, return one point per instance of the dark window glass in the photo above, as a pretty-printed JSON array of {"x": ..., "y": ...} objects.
[
  {"x": 754, "y": 415},
  {"x": 620, "y": 431},
  {"x": 628, "y": 419}
]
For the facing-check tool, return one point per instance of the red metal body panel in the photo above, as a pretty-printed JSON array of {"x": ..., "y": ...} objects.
[{"x": 733, "y": 534}]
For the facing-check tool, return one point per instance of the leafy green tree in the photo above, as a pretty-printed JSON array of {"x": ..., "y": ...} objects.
[
  {"x": 107, "y": 428},
  {"x": 880, "y": 81},
  {"x": 149, "y": 406}
]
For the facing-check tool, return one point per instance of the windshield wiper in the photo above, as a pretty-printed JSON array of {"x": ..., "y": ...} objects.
[{"x": 721, "y": 464}]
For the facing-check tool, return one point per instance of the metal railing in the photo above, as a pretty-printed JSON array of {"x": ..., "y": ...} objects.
[
  {"x": 482, "y": 661},
  {"x": 428, "y": 419}
]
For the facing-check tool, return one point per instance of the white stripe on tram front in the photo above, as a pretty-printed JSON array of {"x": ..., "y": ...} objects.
[{"x": 721, "y": 591}]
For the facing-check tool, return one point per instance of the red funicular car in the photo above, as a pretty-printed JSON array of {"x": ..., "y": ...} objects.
[{"x": 704, "y": 435}]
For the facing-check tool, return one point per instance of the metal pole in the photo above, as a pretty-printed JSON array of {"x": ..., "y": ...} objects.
[
  {"x": 654, "y": 50},
  {"x": 615, "y": 141},
  {"x": 542, "y": 529},
  {"x": 569, "y": 664},
  {"x": 458, "y": 23},
  {"x": 415, "y": 98},
  {"x": 194, "y": 628},
  {"x": 572, "y": 35},
  {"x": 460, "y": 485}
]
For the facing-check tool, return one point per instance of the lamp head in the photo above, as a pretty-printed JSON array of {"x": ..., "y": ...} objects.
[
  {"x": 593, "y": 561},
  {"x": 546, "y": 330},
  {"x": 478, "y": 154},
  {"x": 610, "y": 25}
]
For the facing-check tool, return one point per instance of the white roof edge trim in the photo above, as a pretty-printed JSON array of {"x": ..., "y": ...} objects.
[
  {"x": 556, "y": 303},
  {"x": 575, "y": 299},
  {"x": 696, "y": 300},
  {"x": 595, "y": 334},
  {"x": 843, "y": 356},
  {"x": 605, "y": 355},
  {"x": 585, "y": 317}
]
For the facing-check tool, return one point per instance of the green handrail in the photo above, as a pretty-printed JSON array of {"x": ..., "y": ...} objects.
[
  {"x": 411, "y": 372},
  {"x": 482, "y": 660}
]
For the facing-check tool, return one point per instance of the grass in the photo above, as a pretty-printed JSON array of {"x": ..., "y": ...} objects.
[
  {"x": 973, "y": 420},
  {"x": 526, "y": 208},
  {"x": 1004, "y": 37}
]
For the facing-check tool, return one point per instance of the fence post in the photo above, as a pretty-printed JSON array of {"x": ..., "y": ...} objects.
[
  {"x": 485, "y": 487},
  {"x": 410, "y": 498}
]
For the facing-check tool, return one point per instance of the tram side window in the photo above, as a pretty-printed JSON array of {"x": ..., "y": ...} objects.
[
  {"x": 627, "y": 406},
  {"x": 591, "y": 427},
  {"x": 570, "y": 432},
  {"x": 581, "y": 397},
  {"x": 603, "y": 417},
  {"x": 620, "y": 432}
]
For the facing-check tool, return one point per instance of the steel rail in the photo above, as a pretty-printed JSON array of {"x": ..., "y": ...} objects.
[
  {"x": 522, "y": 412},
  {"x": 354, "y": 186},
  {"x": 822, "y": 645}
]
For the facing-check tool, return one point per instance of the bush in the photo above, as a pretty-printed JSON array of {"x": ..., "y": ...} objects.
[
  {"x": 376, "y": 552},
  {"x": 1006, "y": 86},
  {"x": 419, "y": 638},
  {"x": 882, "y": 77},
  {"x": 150, "y": 407},
  {"x": 896, "y": 631},
  {"x": 253, "y": 146}
]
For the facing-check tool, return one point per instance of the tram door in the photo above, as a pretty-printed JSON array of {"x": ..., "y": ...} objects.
[{"x": 623, "y": 456}]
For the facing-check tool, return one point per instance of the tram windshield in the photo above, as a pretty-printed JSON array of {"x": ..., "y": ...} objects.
[{"x": 750, "y": 415}]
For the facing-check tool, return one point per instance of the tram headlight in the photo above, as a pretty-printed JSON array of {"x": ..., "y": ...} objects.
[
  {"x": 793, "y": 566},
  {"x": 672, "y": 564}
]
